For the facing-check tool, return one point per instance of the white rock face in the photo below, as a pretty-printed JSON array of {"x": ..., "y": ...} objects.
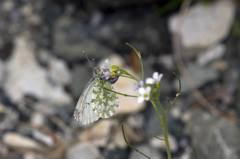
[
  {"x": 203, "y": 25},
  {"x": 25, "y": 76}
]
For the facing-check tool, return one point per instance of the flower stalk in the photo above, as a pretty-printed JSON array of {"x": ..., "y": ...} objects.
[
  {"x": 148, "y": 90},
  {"x": 162, "y": 116}
]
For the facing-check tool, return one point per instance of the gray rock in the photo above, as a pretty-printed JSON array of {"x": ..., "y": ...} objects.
[
  {"x": 148, "y": 150},
  {"x": 9, "y": 118},
  {"x": 152, "y": 125},
  {"x": 2, "y": 73},
  {"x": 83, "y": 150},
  {"x": 105, "y": 4},
  {"x": 211, "y": 54},
  {"x": 58, "y": 71},
  {"x": 203, "y": 25},
  {"x": 197, "y": 76},
  {"x": 72, "y": 38},
  {"x": 81, "y": 75},
  {"x": 27, "y": 77},
  {"x": 19, "y": 141},
  {"x": 147, "y": 32},
  {"x": 214, "y": 137}
]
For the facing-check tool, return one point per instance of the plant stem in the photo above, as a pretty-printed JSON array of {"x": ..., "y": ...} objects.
[
  {"x": 162, "y": 116},
  {"x": 139, "y": 57},
  {"x": 119, "y": 93}
]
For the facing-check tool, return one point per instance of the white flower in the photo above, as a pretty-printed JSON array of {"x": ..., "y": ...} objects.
[
  {"x": 144, "y": 89},
  {"x": 144, "y": 94},
  {"x": 156, "y": 78}
]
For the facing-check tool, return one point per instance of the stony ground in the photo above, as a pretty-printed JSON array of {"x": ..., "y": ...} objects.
[{"x": 44, "y": 69}]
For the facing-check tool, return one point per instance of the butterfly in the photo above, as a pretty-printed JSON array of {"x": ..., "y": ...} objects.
[{"x": 96, "y": 100}]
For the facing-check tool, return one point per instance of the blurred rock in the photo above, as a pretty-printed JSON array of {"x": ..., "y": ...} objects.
[
  {"x": 152, "y": 125},
  {"x": 203, "y": 25},
  {"x": 167, "y": 61},
  {"x": 214, "y": 137},
  {"x": 116, "y": 154},
  {"x": 4, "y": 150},
  {"x": 158, "y": 142},
  {"x": 28, "y": 78},
  {"x": 83, "y": 150},
  {"x": 31, "y": 155},
  {"x": 98, "y": 134},
  {"x": 9, "y": 118},
  {"x": 147, "y": 32},
  {"x": 197, "y": 76},
  {"x": 37, "y": 119},
  {"x": 81, "y": 75},
  {"x": 58, "y": 70},
  {"x": 127, "y": 104},
  {"x": 18, "y": 141},
  {"x": 2, "y": 73},
  {"x": 136, "y": 121},
  {"x": 72, "y": 40},
  {"x": 43, "y": 138},
  {"x": 132, "y": 136},
  {"x": 148, "y": 66},
  {"x": 153, "y": 153},
  {"x": 106, "y": 4},
  {"x": 211, "y": 54}
]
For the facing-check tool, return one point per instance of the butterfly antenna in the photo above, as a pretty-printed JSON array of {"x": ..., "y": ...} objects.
[
  {"x": 91, "y": 61},
  {"x": 131, "y": 146}
]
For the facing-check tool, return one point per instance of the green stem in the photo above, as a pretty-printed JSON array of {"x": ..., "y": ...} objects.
[
  {"x": 125, "y": 73},
  {"x": 130, "y": 77},
  {"x": 119, "y": 93},
  {"x": 139, "y": 57},
  {"x": 162, "y": 116}
]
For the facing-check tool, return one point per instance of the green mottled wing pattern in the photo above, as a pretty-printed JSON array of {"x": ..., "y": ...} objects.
[
  {"x": 95, "y": 102},
  {"x": 104, "y": 102}
]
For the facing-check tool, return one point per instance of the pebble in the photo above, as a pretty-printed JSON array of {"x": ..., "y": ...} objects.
[
  {"x": 197, "y": 76},
  {"x": 18, "y": 141},
  {"x": 84, "y": 151},
  {"x": 28, "y": 78},
  {"x": 147, "y": 150},
  {"x": 211, "y": 54},
  {"x": 44, "y": 138},
  {"x": 203, "y": 25},
  {"x": 2, "y": 73},
  {"x": 98, "y": 134}
]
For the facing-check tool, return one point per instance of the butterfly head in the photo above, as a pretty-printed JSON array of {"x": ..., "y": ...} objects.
[{"x": 107, "y": 72}]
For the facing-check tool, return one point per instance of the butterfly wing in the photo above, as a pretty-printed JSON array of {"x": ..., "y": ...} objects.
[
  {"x": 104, "y": 101},
  {"x": 84, "y": 113}
]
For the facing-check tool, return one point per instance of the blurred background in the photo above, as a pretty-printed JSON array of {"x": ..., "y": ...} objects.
[{"x": 44, "y": 69}]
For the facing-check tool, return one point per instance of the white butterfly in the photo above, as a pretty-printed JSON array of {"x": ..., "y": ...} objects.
[{"x": 95, "y": 102}]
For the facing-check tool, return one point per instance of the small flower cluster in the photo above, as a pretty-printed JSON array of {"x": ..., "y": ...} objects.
[
  {"x": 108, "y": 73},
  {"x": 144, "y": 89},
  {"x": 105, "y": 68}
]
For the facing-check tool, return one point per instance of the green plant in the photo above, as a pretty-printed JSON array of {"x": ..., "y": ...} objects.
[{"x": 99, "y": 99}]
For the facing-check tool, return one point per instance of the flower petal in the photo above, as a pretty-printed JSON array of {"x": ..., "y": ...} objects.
[
  {"x": 149, "y": 81},
  {"x": 155, "y": 75},
  {"x": 140, "y": 99},
  {"x": 141, "y": 90}
]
